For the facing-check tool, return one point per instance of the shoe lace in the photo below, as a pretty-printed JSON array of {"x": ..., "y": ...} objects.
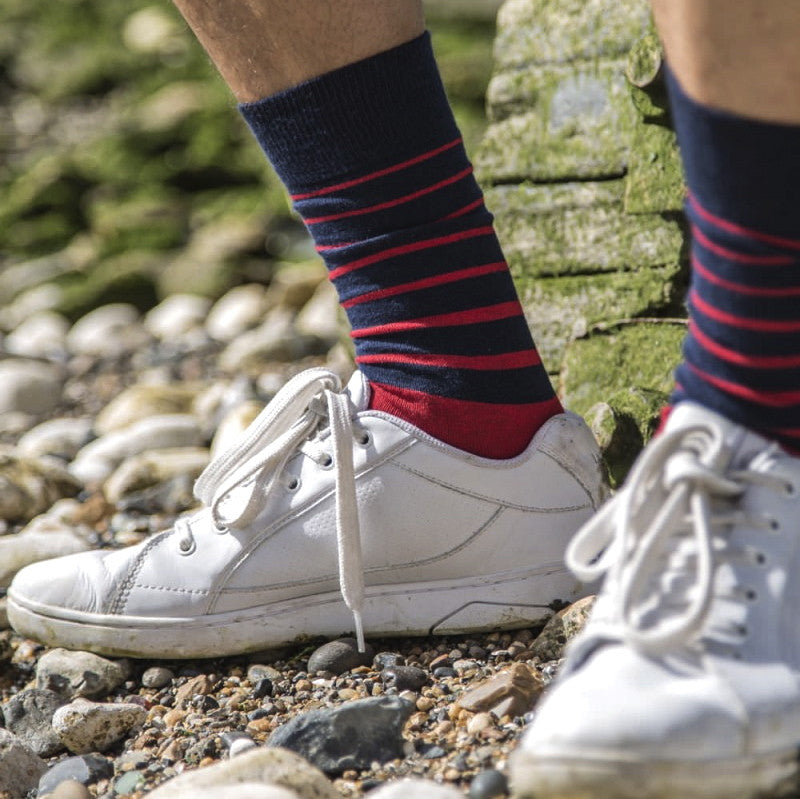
[
  {"x": 252, "y": 468},
  {"x": 659, "y": 540}
]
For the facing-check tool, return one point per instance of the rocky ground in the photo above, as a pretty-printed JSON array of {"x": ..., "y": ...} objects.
[
  {"x": 155, "y": 292},
  {"x": 106, "y": 423}
]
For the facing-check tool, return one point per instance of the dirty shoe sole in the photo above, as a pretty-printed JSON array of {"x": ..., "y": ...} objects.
[{"x": 499, "y": 601}]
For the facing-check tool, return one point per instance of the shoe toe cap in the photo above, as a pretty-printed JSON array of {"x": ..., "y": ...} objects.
[
  {"x": 79, "y": 582},
  {"x": 622, "y": 705}
]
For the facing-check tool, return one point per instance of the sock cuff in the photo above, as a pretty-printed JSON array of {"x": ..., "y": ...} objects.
[
  {"x": 389, "y": 106},
  {"x": 740, "y": 168}
]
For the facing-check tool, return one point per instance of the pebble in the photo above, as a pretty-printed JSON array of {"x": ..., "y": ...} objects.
[
  {"x": 86, "y": 770},
  {"x": 240, "y": 745},
  {"x": 41, "y": 335},
  {"x": 415, "y": 789},
  {"x": 339, "y": 656},
  {"x": 28, "y": 715},
  {"x": 386, "y": 660},
  {"x": 60, "y": 438},
  {"x": 107, "y": 331},
  {"x": 141, "y": 400},
  {"x": 20, "y": 767},
  {"x": 374, "y": 733},
  {"x": 29, "y": 386},
  {"x": 404, "y": 678},
  {"x": 233, "y": 424},
  {"x": 79, "y": 674},
  {"x": 157, "y": 677},
  {"x": 562, "y": 628},
  {"x": 177, "y": 315},
  {"x": 29, "y": 486},
  {"x": 261, "y": 766},
  {"x": 70, "y": 789},
  {"x": 259, "y": 671},
  {"x": 276, "y": 339},
  {"x": 240, "y": 309},
  {"x": 510, "y": 692},
  {"x": 86, "y": 726},
  {"x": 128, "y": 783},
  {"x": 97, "y": 460},
  {"x": 489, "y": 784},
  {"x": 321, "y": 316}
]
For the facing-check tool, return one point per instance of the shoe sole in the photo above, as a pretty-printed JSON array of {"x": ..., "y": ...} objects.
[
  {"x": 503, "y": 601},
  {"x": 770, "y": 775}
]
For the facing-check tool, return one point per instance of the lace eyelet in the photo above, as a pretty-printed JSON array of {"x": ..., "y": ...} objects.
[
  {"x": 790, "y": 490},
  {"x": 325, "y": 461},
  {"x": 760, "y": 558},
  {"x": 774, "y": 524},
  {"x": 220, "y": 529},
  {"x": 293, "y": 485},
  {"x": 186, "y": 546},
  {"x": 750, "y": 594},
  {"x": 364, "y": 440}
]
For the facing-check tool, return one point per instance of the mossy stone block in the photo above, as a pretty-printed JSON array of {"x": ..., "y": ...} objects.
[
  {"x": 592, "y": 235},
  {"x": 609, "y": 359},
  {"x": 655, "y": 177},
  {"x": 558, "y": 31},
  {"x": 564, "y": 308}
]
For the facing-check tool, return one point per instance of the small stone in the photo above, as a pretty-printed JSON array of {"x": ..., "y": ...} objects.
[
  {"x": 128, "y": 783},
  {"x": 233, "y": 424},
  {"x": 149, "y": 469},
  {"x": 510, "y": 692},
  {"x": 70, "y": 789},
  {"x": 28, "y": 715},
  {"x": 262, "y": 688},
  {"x": 262, "y": 766},
  {"x": 201, "y": 684},
  {"x": 404, "y": 678},
  {"x": 444, "y": 673},
  {"x": 479, "y": 722},
  {"x": 489, "y": 784},
  {"x": 86, "y": 770},
  {"x": 157, "y": 677},
  {"x": 20, "y": 768},
  {"x": 29, "y": 386},
  {"x": 415, "y": 789},
  {"x": 177, "y": 315},
  {"x": 60, "y": 438},
  {"x": 107, "y": 331},
  {"x": 351, "y": 736},
  {"x": 561, "y": 629},
  {"x": 339, "y": 656},
  {"x": 386, "y": 660},
  {"x": 241, "y": 745},
  {"x": 258, "y": 671},
  {"x": 41, "y": 335},
  {"x": 85, "y": 726},
  {"x": 79, "y": 674},
  {"x": 141, "y": 400},
  {"x": 241, "y": 308}
]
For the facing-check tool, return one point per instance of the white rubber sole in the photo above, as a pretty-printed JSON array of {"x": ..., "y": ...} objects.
[
  {"x": 501, "y": 601},
  {"x": 585, "y": 777}
]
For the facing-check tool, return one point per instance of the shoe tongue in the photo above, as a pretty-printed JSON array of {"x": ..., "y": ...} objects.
[{"x": 358, "y": 389}]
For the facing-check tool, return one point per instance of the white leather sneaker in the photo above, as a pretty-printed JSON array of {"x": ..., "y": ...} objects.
[
  {"x": 326, "y": 517},
  {"x": 686, "y": 680}
]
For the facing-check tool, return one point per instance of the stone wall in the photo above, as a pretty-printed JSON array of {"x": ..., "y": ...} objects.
[{"x": 581, "y": 169}]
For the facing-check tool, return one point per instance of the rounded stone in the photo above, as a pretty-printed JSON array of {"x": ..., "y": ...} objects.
[
  {"x": 70, "y": 789},
  {"x": 339, "y": 656},
  {"x": 404, "y": 678},
  {"x": 157, "y": 677},
  {"x": 488, "y": 784},
  {"x": 85, "y": 726}
]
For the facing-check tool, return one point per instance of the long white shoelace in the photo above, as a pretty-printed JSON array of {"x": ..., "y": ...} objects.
[
  {"x": 678, "y": 497},
  {"x": 253, "y": 467}
]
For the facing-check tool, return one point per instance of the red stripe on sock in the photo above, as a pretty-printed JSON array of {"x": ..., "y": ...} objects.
[
  {"x": 740, "y": 257},
  {"x": 741, "y": 288},
  {"x": 427, "y": 282},
  {"x": 742, "y": 322},
  {"x": 466, "y": 209},
  {"x": 379, "y": 173},
  {"x": 320, "y": 248},
  {"x": 740, "y": 230},
  {"x": 414, "y": 246},
  {"x": 484, "y": 429},
  {"x": 481, "y": 363},
  {"x": 739, "y": 358},
  {"x": 772, "y": 399},
  {"x": 407, "y": 198},
  {"x": 473, "y": 316}
]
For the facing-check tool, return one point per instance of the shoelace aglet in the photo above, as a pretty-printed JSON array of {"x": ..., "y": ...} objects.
[{"x": 362, "y": 646}]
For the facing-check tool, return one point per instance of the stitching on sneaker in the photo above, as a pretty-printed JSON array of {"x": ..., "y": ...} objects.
[{"x": 120, "y": 598}]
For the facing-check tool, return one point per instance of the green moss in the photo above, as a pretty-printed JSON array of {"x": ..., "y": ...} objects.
[
  {"x": 593, "y": 235},
  {"x": 655, "y": 176},
  {"x": 564, "y": 308}
]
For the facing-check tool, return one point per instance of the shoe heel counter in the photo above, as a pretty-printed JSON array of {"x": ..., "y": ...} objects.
[{"x": 568, "y": 440}]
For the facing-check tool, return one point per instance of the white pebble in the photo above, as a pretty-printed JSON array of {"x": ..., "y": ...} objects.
[
  {"x": 59, "y": 437},
  {"x": 108, "y": 330},
  {"x": 28, "y": 386},
  {"x": 85, "y": 726},
  {"x": 240, "y": 309},
  {"x": 39, "y": 336},
  {"x": 176, "y": 315}
]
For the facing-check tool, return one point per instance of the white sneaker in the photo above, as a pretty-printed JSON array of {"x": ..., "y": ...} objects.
[
  {"x": 686, "y": 681},
  {"x": 449, "y": 541}
]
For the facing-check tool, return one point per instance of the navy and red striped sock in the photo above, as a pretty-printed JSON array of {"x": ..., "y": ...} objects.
[
  {"x": 742, "y": 352},
  {"x": 375, "y": 165}
]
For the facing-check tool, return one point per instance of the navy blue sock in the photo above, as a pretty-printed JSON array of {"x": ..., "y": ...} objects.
[
  {"x": 742, "y": 352},
  {"x": 375, "y": 165}
]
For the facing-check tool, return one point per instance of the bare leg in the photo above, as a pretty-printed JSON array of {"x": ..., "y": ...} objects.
[
  {"x": 740, "y": 57},
  {"x": 263, "y": 46}
]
